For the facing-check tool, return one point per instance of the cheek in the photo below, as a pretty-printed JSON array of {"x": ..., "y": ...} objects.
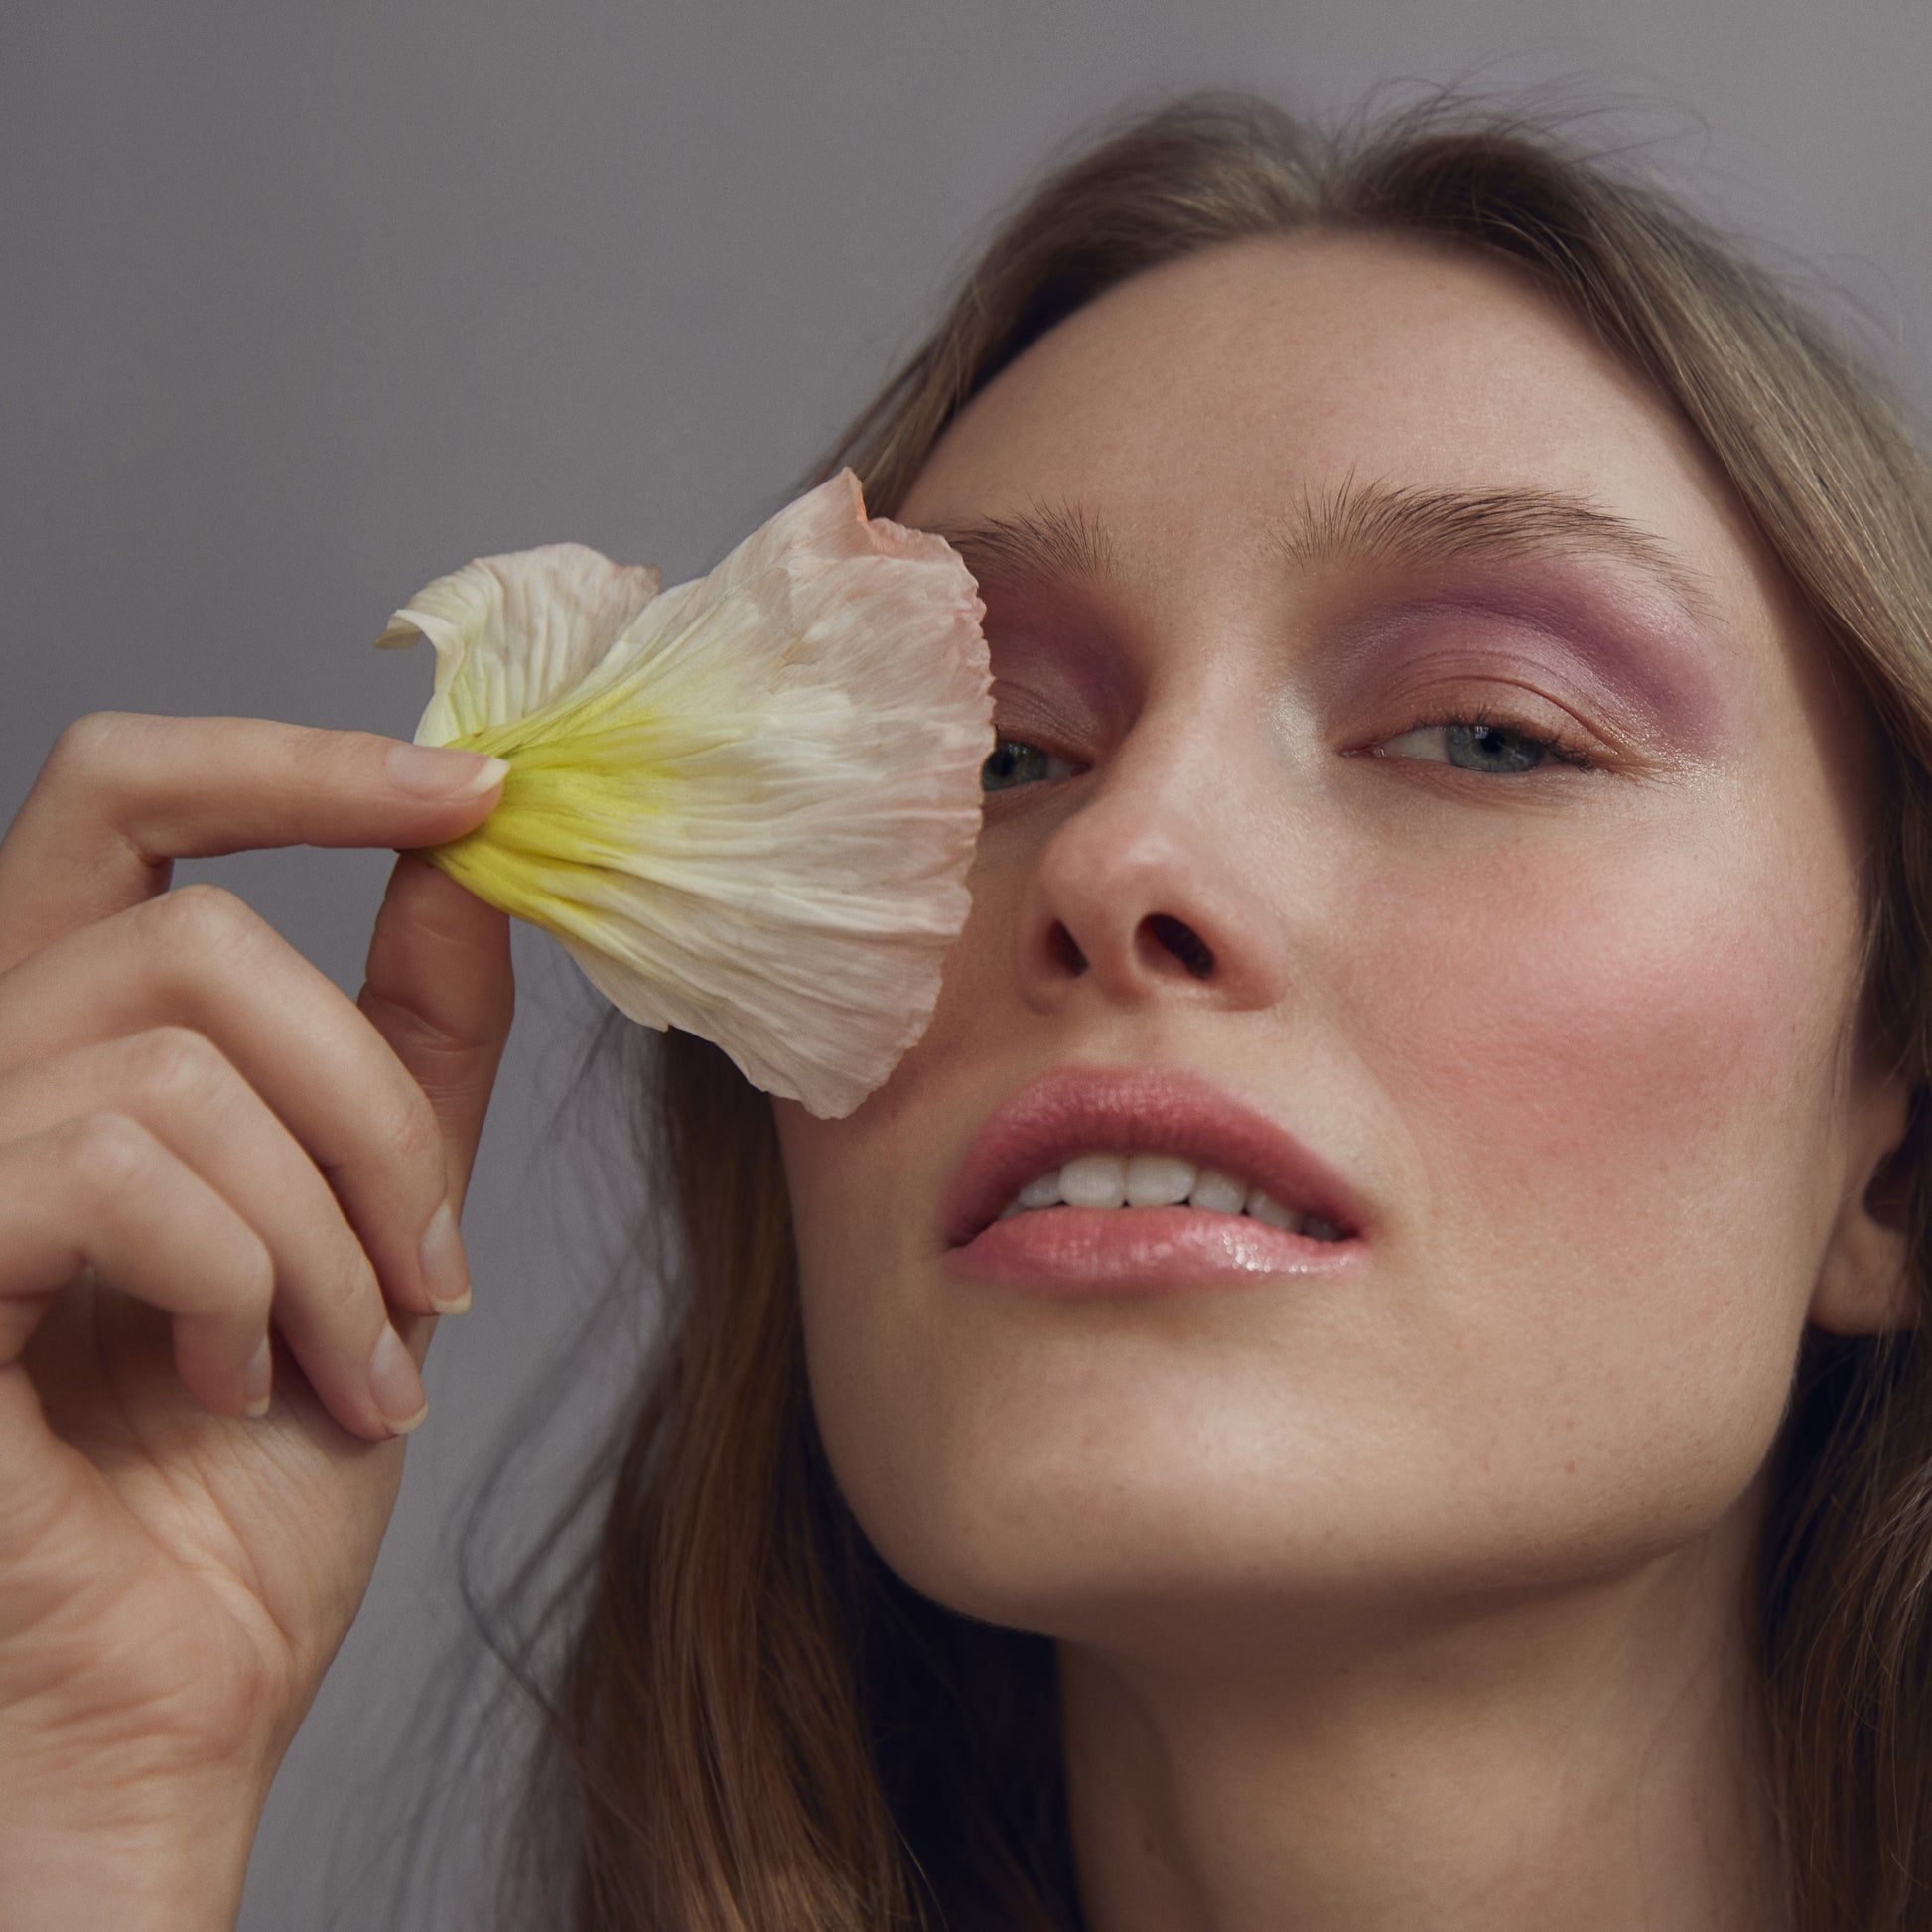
[
  {"x": 1614, "y": 1074},
  {"x": 1606, "y": 1022}
]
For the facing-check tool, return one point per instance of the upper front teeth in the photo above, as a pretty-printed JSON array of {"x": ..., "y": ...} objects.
[
  {"x": 1159, "y": 1180},
  {"x": 1133, "y": 1181}
]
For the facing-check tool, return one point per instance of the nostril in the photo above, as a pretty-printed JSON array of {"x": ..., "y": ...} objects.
[
  {"x": 1183, "y": 942},
  {"x": 1066, "y": 949}
]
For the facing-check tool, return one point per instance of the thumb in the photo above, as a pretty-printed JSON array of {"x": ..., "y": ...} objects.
[{"x": 439, "y": 990}]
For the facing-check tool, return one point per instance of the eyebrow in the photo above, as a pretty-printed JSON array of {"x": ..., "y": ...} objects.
[
  {"x": 1380, "y": 523},
  {"x": 1375, "y": 522},
  {"x": 1046, "y": 543}
]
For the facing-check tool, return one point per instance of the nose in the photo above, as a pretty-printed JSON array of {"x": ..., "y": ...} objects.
[{"x": 1159, "y": 886}]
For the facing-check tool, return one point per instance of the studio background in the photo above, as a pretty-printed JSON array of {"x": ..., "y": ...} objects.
[{"x": 301, "y": 305}]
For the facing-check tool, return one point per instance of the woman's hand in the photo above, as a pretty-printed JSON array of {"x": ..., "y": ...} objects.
[{"x": 202, "y": 1139}]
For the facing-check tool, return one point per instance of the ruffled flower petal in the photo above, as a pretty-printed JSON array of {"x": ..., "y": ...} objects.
[
  {"x": 748, "y": 805},
  {"x": 512, "y": 632}
]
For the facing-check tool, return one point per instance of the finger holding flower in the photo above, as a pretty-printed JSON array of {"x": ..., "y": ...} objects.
[{"x": 746, "y": 804}]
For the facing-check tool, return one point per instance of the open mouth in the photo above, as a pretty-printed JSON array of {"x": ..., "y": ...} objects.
[
  {"x": 1147, "y": 1179},
  {"x": 1138, "y": 1138}
]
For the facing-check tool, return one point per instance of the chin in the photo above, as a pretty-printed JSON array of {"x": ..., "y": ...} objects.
[{"x": 1083, "y": 1535}]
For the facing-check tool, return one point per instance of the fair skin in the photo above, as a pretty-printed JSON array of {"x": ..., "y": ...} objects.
[
  {"x": 1414, "y": 1603},
  {"x": 1414, "y": 1598},
  {"x": 194, "y": 1111}
]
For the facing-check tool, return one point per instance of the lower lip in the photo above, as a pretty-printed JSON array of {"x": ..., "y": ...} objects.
[{"x": 1141, "y": 1250}]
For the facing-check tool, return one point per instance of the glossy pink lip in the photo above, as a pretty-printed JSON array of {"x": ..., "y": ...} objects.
[
  {"x": 1168, "y": 1110},
  {"x": 1109, "y": 1251}
]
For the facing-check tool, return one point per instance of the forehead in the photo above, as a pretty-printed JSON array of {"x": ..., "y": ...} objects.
[{"x": 1197, "y": 404}]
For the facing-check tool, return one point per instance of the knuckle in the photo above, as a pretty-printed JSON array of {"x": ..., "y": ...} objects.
[
  {"x": 89, "y": 755},
  {"x": 254, "y": 1271},
  {"x": 331, "y": 758},
  {"x": 406, "y": 1133},
  {"x": 177, "y": 1063},
  {"x": 343, "y": 1295},
  {"x": 359, "y": 1294},
  {"x": 95, "y": 741},
  {"x": 107, "y": 1150},
  {"x": 201, "y": 919}
]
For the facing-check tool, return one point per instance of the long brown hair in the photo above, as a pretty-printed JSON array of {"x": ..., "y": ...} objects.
[{"x": 751, "y": 1725}]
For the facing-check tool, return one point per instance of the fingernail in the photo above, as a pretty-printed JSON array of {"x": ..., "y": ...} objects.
[
  {"x": 257, "y": 1382},
  {"x": 393, "y": 1381},
  {"x": 443, "y": 772},
  {"x": 444, "y": 1270}
]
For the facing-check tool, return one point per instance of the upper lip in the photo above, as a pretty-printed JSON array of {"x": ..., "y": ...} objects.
[{"x": 1157, "y": 1109}]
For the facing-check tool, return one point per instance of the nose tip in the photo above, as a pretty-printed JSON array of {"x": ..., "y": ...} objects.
[{"x": 1161, "y": 881}]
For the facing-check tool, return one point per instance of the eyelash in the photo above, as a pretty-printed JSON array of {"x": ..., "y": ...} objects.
[
  {"x": 1557, "y": 746},
  {"x": 1006, "y": 742}
]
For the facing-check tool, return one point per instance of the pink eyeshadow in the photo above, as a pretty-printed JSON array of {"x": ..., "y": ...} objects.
[
  {"x": 1636, "y": 650},
  {"x": 1056, "y": 661}
]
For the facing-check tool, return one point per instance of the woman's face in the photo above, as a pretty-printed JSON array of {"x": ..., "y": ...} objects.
[{"x": 1292, "y": 552}]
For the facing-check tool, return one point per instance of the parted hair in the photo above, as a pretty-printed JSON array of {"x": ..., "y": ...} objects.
[{"x": 747, "y": 1722}]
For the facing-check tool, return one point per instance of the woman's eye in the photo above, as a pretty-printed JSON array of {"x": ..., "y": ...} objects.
[
  {"x": 1472, "y": 745},
  {"x": 1015, "y": 762}
]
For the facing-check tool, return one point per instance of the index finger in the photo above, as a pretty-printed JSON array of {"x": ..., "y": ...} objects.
[{"x": 123, "y": 794}]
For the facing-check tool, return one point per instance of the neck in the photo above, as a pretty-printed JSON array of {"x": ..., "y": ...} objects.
[{"x": 1588, "y": 1759}]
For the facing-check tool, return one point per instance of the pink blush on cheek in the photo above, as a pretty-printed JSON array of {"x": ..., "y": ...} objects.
[{"x": 1615, "y": 1064}]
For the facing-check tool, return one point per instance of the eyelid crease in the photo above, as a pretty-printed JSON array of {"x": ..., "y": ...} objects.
[
  {"x": 1541, "y": 700},
  {"x": 1036, "y": 742}
]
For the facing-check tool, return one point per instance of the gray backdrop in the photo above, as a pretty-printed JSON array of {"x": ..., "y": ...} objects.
[{"x": 301, "y": 306}]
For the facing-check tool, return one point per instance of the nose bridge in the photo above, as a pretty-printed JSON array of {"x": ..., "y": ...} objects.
[
  {"x": 1167, "y": 786},
  {"x": 1153, "y": 882}
]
